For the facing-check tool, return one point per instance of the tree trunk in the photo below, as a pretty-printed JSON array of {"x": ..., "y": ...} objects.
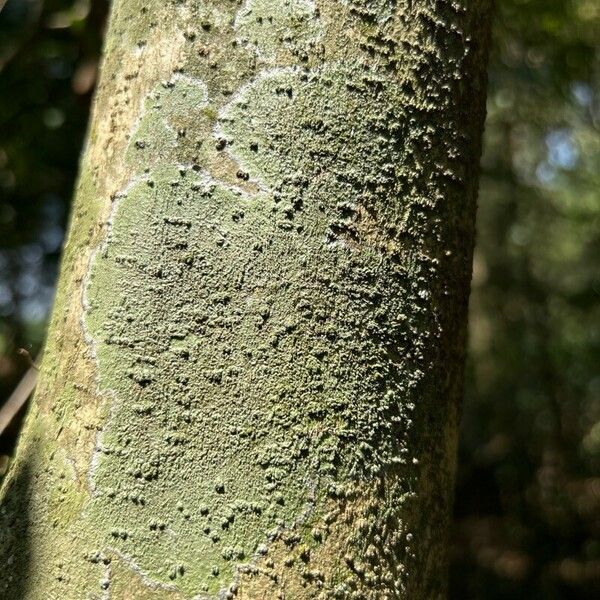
[{"x": 253, "y": 368}]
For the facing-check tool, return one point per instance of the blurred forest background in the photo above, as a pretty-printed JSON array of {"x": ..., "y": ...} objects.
[{"x": 527, "y": 515}]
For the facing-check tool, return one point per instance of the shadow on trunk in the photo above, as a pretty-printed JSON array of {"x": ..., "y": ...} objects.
[{"x": 15, "y": 543}]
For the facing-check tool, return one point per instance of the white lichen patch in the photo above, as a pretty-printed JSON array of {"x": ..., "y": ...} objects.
[
  {"x": 273, "y": 27},
  {"x": 199, "y": 303}
]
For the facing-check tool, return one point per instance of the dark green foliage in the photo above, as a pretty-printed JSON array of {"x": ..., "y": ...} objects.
[
  {"x": 527, "y": 504},
  {"x": 48, "y": 58}
]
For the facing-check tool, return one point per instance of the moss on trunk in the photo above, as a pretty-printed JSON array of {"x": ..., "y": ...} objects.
[{"x": 251, "y": 381}]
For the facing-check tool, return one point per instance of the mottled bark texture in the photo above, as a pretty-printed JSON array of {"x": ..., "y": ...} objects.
[{"x": 251, "y": 379}]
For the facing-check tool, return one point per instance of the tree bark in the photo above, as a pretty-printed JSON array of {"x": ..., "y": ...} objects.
[{"x": 251, "y": 381}]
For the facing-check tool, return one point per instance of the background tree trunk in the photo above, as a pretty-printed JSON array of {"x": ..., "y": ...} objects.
[{"x": 251, "y": 378}]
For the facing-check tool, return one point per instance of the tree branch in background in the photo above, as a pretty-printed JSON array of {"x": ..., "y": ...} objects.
[{"x": 18, "y": 398}]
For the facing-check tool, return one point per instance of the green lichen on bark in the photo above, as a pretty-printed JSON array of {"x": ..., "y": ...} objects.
[
  {"x": 275, "y": 311},
  {"x": 272, "y": 27}
]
